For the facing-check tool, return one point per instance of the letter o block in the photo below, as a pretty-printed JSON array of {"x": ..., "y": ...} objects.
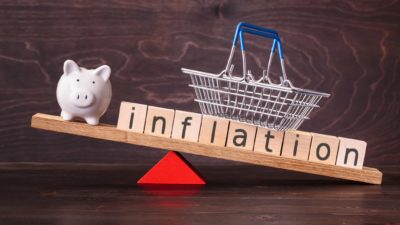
[{"x": 324, "y": 149}]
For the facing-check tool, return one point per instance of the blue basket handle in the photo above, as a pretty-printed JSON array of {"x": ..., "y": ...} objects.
[
  {"x": 251, "y": 26},
  {"x": 276, "y": 40},
  {"x": 259, "y": 31}
]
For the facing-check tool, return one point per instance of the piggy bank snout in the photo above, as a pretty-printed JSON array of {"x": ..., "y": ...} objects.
[{"x": 82, "y": 98}]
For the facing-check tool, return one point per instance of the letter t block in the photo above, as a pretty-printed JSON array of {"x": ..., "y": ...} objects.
[{"x": 268, "y": 141}]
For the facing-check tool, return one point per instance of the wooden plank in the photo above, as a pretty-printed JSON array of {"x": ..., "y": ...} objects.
[{"x": 109, "y": 132}]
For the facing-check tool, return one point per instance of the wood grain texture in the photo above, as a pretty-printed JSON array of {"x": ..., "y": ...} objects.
[
  {"x": 86, "y": 194},
  {"x": 347, "y": 48},
  {"x": 108, "y": 132}
]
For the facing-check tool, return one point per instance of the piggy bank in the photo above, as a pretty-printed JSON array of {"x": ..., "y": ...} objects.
[{"x": 84, "y": 93}]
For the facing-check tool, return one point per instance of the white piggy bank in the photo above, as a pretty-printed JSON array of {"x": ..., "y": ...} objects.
[{"x": 84, "y": 93}]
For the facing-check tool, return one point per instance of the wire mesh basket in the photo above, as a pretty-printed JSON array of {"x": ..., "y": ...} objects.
[{"x": 259, "y": 102}]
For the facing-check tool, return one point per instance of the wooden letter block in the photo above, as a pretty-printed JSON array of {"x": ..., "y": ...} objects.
[
  {"x": 214, "y": 130},
  {"x": 296, "y": 144},
  {"x": 268, "y": 141},
  {"x": 186, "y": 126},
  {"x": 132, "y": 117},
  {"x": 159, "y": 121},
  {"x": 324, "y": 149},
  {"x": 241, "y": 135},
  {"x": 351, "y": 153}
]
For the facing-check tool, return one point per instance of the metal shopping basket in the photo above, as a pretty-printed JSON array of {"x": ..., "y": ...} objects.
[{"x": 260, "y": 102}]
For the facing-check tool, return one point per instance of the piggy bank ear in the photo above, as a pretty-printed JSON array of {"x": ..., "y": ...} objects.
[
  {"x": 104, "y": 72},
  {"x": 70, "y": 66}
]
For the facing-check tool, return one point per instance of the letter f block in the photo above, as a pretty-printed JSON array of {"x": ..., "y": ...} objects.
[{"x": 186, "y": 126}]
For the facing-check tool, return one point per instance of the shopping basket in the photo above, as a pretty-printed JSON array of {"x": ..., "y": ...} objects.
[{"x": 259, "y": 102}]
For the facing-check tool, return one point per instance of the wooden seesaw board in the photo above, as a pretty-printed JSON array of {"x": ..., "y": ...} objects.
[{"x": 111, "y": 133}]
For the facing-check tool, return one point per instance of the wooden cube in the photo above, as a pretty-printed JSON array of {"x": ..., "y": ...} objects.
[
  {"x": 186, "y": 126},
  {"x": 132, "y": 117},
  {"x": 268, "y": 141},
  {"x": 159, "y": 121},
  {"x": 241, "y": 135},
  {"x": 324, "y": 149},
  {"x": 296, "y": 144},
  {"x": 351, "y": 153},
  {"x": 214, "y": 130}
]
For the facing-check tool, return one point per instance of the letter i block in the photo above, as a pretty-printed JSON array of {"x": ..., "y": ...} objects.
[
  {"x": 214, "y": 130},
  {"x": 351, "y": 153},
  {"x": 324, "y": 149},
  {"x": 241, "y": 135},
  {"x": 132, "y": 117},
  {"x": 186, "y": 126},
  {"x": 268, "y": 141},
  {"x": 159, "y": 121},
  {"x": 296, "y": 144}
]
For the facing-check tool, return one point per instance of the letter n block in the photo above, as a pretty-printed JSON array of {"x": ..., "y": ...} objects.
[
  {"x": 324, "y": 149},
  {"x": 159, "y": 121},
  {"x": 186, "y": 126},
  {"x": 351, "y": 153},
  {"x": 296, "y": 144},
  {"x": 132, "y": 117},
  {"x": 214, "y": 130},
  {"x": 268, "y": 141},
  {"x": 241, "y": 135}
]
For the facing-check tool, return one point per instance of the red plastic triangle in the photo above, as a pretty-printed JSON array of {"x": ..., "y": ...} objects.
[{"x": 172, "y": 169}]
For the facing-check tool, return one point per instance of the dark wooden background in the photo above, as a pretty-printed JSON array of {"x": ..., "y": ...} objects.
[{"x": 348, "y": 48}]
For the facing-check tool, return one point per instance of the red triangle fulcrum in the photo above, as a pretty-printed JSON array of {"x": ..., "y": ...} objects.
[{"x": 172, "y": 169}]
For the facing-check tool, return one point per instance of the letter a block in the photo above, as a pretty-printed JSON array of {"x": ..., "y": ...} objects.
[
  {"x": 186, "y": 126},
  {"x": 351, "y": 153},
  {"x": 159, "y": 121},
  {"x": 268, "y": 141},
  {"x": 296, "y": 144},
  {"x": 324, "y": 149},
  {"x": 214, "y": 130},
  {"x": 132, "y": 117},
  {"x": 241, "y": 135}
]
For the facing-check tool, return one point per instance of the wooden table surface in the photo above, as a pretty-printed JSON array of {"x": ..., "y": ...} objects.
[
  {"x": 107, "y": 194},
  {"x": 347, "y": 48}
]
